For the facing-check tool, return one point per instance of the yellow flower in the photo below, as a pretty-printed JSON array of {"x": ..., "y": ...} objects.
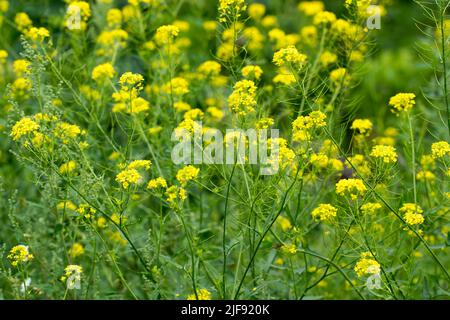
[
  {"x": 284, "y": 223},
  {"x": 427, "y": 162},
  {"x": 370, "y": 207},
  {"x": 339, "y": 77},
  {"x": 138, "y": 164},
  {"x": 351, "y": 187},
  {"x": 130, "y": 80},
  {"x": 19, "y": 254},
  {"x": 387, "y": 153},
  {"x": 21, "y": 87},
  {"x": 202, "y": 294},
  {"x": 114, "y": 17},
  {"x": 367, "y": 265},
  {"x": 165, "y": 34},
  {"x": 186, "y": 174},
  {"x": 215, "y": 113},
  {"x": 157, "y": 183},
  {"x": 210, "y": 26},
  {"x": 328, "y": 58},
  {"x": 21, "y": 67},
  {"x": 311, "y": 8},
  {"x": 440, "y": 149},
  {"x": 68, "y": 167},
  {"x": 177, "y": 86},
  {"x": 402, "y": 102},
  {"x": 324, "y": 212},
  {"x": 76, "y": 250},
  {"x": 23, "y": 127},
  {"x": 174, "y": 193},
  {"x": 3, "y": 56},
  {"x": 231, "y": 9},
  {"x": 22, "y": 21},
  {"x": 127, "y": 177},
  {"x": 67, "y": 131},
  {"x": 103, "y": 72},
  {"x": 252, "y": 72},
  {"x": 264, "y": 123},
  {"x": 361, "y": 164},
  {"x": 289, "y": 248},
  {"x": 256, "y": 11},
  {"x": 302, "y": 126},
  {"x": 181, "y": 106},
  {"x": 289, "y": 55},
  {"x": 37, "y": 34},
  {"x": 209, "y": 68},
  {"x": 425, "y": 176},
  {"x": 194, "y": 114},
  {"x": 363, "y": 126},
  {"x": 412, "y": 214},
  {"x": 243, "y": 98},
  {"x": 86, "y": 211},
  {"x": 269, "y": 21},
  {"x": 66, "y": 205},
  {"x": 324, "y": 17}
]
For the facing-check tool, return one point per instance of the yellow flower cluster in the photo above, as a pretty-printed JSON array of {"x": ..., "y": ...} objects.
[
  {"x": 290, "y": 56},
  {"x": 362, "y": 126},
  {"x": 186, "y": 174},
  {"x": 327, "y": 58},
  {"x": 284, "y": 223},
  {"x": 19, "y": 255},
  {"x": 209, "y": 68},
  {"x": 370, "y": 207},
  {"x": 387, "y": 153},
  {"x": 324, "y": 212},
  {"x": 402, "y": 102},
  {"x": 252, "y": 72},
  {"x": 37, "y": 34},
  {"x": 76, "y": 250},
  {"x": 22, "y": 21},
  {"x": 157, "y": 183},
  {"x": 339, "y": 77},
  {"x": 367, "y": 265},
  {"x": 177, "y": 86},
  {"x": 110, "y": 40},
  {"x": 202, "y": 294},
  {"x": 174, "y": 193},
  {"x": 303, "y": 126},
  {"x": 242, "y": 100},
  {"x": 23, "y": 127},
  {"x": 68, "y": 167},
  {"x": 440, "y": 149},
  {"x": 231, "y": 9},
  {"x": 127, "y": 99},
  {"x": 130, "y": 175},
  {"x": 86, "y": 211},
  {"x": 21, "y": 67},
  {"x": 166, "y": 34},
  {"x": 351, "y": 187},
  {"x": 324, "y": 18},
  {"x": 103, "y": 72},
  {"x": 311, "y": 8},
  {"x": 256, "y": 11},
  {"x": 412, "y": 214}
]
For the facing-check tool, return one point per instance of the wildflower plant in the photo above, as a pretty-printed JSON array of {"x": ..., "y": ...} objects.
[{"x": 335, "y": 184}]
